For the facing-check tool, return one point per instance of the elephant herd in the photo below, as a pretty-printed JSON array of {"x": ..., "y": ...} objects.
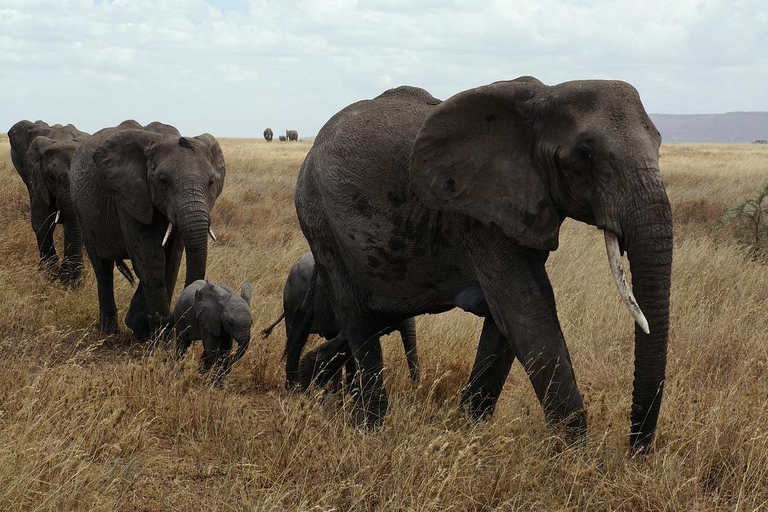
[
  {"x": 411, "y": 205},
  {"x": 290, "y": 135}
]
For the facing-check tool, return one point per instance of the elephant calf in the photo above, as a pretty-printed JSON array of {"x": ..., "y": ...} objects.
[
  {"x": 307, "y": 310},
  {"x": 215, "y": 314}
]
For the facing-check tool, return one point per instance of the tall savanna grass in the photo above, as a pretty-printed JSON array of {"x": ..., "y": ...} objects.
[{"x": 95, "y": 422}]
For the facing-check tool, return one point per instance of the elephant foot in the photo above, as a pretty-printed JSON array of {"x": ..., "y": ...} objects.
[
  {"x": 71, "y": 276},
  {"x": 138, "y": 322},
  {"x": 477, "y": 404},
  {"x": 108, "y": 326},
  {"x": 369, "y": 410},
  {"x": 49, "y": 266}
]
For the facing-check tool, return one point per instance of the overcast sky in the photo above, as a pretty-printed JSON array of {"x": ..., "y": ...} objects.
[{"x": 233, "y": 67}]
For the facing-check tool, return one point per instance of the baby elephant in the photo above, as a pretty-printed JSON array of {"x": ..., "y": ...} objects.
[
  {"x": 215, "y": 314},
  {"x": 307, "y": 310}
]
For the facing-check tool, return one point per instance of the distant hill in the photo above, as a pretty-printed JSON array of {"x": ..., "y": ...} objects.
[{"x": 729, "y": 127}]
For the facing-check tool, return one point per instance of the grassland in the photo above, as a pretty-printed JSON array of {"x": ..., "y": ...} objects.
[{"x": 94, "y": 422}]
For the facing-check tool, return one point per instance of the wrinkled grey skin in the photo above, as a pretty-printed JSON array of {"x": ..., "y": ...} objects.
[
  {"x": 282, "y": 138},
  {"x": 414, "y": 206},
  {"x": 127, "y": 184},
  {"x": 21, "y": 136},
  {"x": 48, "y": 161},
  {"x": 215, "y": 314},
  {"x": 307, "y": 310},
  {"x": 268, "y": 135},
  {"x": 292, "y": 135}
]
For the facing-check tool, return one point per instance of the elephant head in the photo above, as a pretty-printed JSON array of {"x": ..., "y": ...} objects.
[
  {"x": 177, "y": 178},
  {"x": 524, "y": 156},
  {"x": 22, "y": 134},
  {"x": 48, "y": 161}
]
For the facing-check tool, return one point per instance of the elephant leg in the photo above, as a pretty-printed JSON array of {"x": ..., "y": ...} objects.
[
  {"x": 137, "y": 311},
  {"x": 43, "y": 225},
  {"x": 148, "y": 261},
  {"x": 371, "y": 399},
  {"x": 520, "y": 298},
  {"x": 297, "y": 330},
  {"x": 183, "y": 341},
  {"x": 323, "y": 364},
  {"x": 104, "y": 271},
  {"x": 407, "y": 330},
  {"x": 351, "y": 368},
  {"x": 72, "y": 265},
  {"x": 492, "y": 364}
]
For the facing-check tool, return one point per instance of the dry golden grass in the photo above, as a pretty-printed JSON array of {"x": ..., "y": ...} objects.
[{"x": 89, "y": 422}]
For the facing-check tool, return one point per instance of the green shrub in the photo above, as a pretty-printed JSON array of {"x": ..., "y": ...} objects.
[{"x": 749, "y": 221}]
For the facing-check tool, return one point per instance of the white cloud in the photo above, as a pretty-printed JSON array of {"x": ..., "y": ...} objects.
[{"x": 231, "y": 67}]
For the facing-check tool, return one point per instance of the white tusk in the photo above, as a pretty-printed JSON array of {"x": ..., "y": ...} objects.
[
  {"x": 210, "y": 232},
  {"x": 614, "y": 258},
  {"x": 58, "y": 214},
  {"x": 167, "y": 233}
]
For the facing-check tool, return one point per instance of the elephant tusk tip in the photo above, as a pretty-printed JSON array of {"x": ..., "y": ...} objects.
[
  {"x": 167, "y": 234},
  {"x": 58, "y": 214},
  {"x": 213, "y": 236},
  {"x": 643, "y": 323}
]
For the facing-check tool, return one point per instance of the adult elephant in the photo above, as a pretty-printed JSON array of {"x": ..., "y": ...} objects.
[
  {"x": 48, "y": 162},
  {"x": 146, "y": 196},
  {"x": 268, "y": 134},
  {"x": 292, "y": 135},
  {"x": 414, "y": 206},
  {"x": 21, "y": 136}
]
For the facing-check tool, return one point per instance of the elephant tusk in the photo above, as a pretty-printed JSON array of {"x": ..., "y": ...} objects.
[
  {"x": 210, "y": 232},
  {"x": 614, "y": 258},
  {"x": 58, "y": 214},
  {"x": 167, "y": 233}
]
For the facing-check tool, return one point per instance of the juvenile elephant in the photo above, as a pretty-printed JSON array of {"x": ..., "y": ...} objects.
[
  {"x": 21, "y": 136},
  {"x": 268, "y": 134},
  {"x": 48, "y": 161},
  {"x": 146, "y": 196},
  {"x": 282, "y": 138},
  {"x": 215, "y": 314},
  {"x": 292, "y": 135},
  {"x": 434, "y": 205},
  {"x": 307, "y": 310}
]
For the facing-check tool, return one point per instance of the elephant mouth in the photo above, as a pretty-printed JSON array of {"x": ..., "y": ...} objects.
[{"x": 614, "y": 252}]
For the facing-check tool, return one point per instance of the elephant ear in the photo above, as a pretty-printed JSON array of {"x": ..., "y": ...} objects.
[
  {"x": 473, "y": 155},
  {"x": 122, "y": 162},
  {"x": 208, "y": 307},
  {"x": 217, "y": 159},
  {"x": 33, "y": 162}
]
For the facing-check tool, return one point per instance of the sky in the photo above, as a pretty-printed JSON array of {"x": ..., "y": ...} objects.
[{"x": 234, "y": 67}]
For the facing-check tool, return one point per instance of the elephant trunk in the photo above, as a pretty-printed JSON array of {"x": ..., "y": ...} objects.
[
  {"x": 648, "y": 241},
  {"x": 72, "y": 265},
  {"x": 193, "y": 224}
]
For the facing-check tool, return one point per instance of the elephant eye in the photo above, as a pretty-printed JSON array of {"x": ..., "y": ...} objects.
[
  {"x": 210, "y": 183},
  {"x": 585, "y": 150},
  {"x": 163, "y": 179}
]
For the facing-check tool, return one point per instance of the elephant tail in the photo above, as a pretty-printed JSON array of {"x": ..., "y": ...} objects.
[
  {"x": 266, "y": 332},
  {"x": 123, "y": 268}
]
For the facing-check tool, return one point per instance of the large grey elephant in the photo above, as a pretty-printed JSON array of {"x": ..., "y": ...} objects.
[
  {"x": 145, "y": 195},
  {"x": 292, "y": 135},
  {"x": 432, "y": 206},
  {"x": 21, "y": 136},
  {"x": 215, "y": 314},
  {"x": 268, "y": 135},
  {"x": 307, "y": 310},
  {"x": 48, "y": 162}
]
